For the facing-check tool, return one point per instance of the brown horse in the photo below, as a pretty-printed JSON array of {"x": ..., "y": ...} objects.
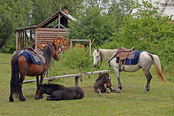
[
  {"x": 103, "y": 83},
  {"x": 59, "y": 92},
  {"x": 19, "y": 64}
]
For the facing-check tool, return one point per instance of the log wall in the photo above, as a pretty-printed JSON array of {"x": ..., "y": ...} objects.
[{"x": 44, "y": 35}]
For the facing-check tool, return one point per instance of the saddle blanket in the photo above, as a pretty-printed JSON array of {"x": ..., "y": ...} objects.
[
  {"x": 30, "y": 57},
  {"x": 131, "y": 61}
]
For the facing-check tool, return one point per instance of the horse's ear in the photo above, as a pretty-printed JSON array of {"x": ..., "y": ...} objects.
[
  {"x": 97, "y": 50},
  {"x": 100, "y": 74},
  {"x": 93, "y": 49}
]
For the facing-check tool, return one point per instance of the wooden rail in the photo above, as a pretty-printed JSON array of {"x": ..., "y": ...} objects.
[
  {"x": 67, "y": 76},
  {"x": 88, "y": 40}
]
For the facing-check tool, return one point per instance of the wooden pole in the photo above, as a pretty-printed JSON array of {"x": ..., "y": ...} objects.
[
  {"x": 67, "y": 76},
  {"x": 19, "y": 41},
  {"x": 90, "y": 47},
  {"x": 71, "y": 44},
  {"x": 76, "y": 81},
  {"x": 36, "y": 46},
  {"x": 17, "y": 33},
  {"x": 25, "y": 38},
  {"x": 59, "y": 21}
]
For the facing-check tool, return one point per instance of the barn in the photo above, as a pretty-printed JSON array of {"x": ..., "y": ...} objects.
[{"x": 53, "y": 27}]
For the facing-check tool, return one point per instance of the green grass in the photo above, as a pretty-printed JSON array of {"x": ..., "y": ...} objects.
[{"x": 159, "y": 101}]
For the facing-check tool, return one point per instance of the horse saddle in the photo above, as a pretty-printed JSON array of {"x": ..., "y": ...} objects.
[
  {"x": 35, "y": 55},
  {"x": 123, "y": 54},
  {"x": 37, "y": 52}
]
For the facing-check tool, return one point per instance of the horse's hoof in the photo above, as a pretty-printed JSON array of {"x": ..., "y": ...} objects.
[
  {"x": 36, "y": 98},
  {"x": 11, "y": 99},
  {"x": 117, "y": 90},
  {"x": 41, "y": 97},
  {"x": 48, "y": 98},
  {"x": 108, "y": 91},
  {"x": 23, "y": 99},
  {"x": 100, "y": 95},
  {"x": 145, "y": 91}
]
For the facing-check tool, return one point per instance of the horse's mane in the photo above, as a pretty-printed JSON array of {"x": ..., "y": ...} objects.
[
  {"x": 101, "y": 76},
  {"x": 53, "y": 86},
  {"x": 48, "y": 52}
]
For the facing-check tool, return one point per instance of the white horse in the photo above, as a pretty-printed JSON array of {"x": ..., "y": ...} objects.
[{"x": 145, "y": 62}]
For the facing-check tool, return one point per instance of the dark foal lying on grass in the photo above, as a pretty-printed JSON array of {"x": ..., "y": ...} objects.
[
  {"x": 103, "y": 83},
  {"x": 59, "y": 92}
]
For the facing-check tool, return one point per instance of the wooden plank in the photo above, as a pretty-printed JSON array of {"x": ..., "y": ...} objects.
[
  {"x": 80, "y": 40},
  {"x": 47, "y": 34},
  {"x": 52, "y": 32},
  {"x": 51, "y": 29},
  {"x": 67, "y": 76}
]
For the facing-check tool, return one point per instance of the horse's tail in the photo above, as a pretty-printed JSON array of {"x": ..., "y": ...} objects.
[
  {"x": 158, "y": 69},
  {"x": 14, "y": 83}
]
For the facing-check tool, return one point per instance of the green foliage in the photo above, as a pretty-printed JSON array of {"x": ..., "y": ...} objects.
[
  {"x": 90, "y": 25},
  {"x": 74, "y": 59},
  {"x": 14, "y": 14},
  {"x": 99, "y": 20},
  {"x": 147, "y": 31}
]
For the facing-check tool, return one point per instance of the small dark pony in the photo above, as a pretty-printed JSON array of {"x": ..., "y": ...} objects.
[
  {"x": 103, "y": 83},
  {"x": 59, "y": 92},
  {"x": 19, "y": 64}
]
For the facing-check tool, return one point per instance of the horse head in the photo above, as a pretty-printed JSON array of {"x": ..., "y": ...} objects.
[
  {"x": 55, "y": 51},
  {"x": 96, "y": 57},
  {"x": 39, "y": 91}
]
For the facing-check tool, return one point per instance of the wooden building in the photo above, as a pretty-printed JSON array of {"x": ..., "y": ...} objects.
[
  {"x": 166, "y": 7},
  {"x": 56, "y": 25}
]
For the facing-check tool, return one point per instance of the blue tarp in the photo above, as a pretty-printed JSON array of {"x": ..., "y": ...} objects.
[
  {"x": 30, "y": 57},
  {"x": 131, "y": 61}
]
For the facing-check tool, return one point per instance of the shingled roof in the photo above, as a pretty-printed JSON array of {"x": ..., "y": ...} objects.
[{"x": 49, "y": 20}]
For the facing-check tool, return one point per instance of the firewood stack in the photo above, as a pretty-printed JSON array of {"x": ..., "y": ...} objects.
[{"x": 60, "y": 43}]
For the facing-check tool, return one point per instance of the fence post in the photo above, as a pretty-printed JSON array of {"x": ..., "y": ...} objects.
[{"x": 76, "y": 80}]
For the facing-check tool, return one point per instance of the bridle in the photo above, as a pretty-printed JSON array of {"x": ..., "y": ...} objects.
[
  {"x": 98, "y": 67},
  {"x": 52, "y": 47},
  {"x": 101, "y": 59},
  {"x": 100, "y": 56}
]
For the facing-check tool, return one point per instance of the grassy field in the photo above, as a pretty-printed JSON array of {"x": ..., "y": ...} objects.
[{"x": 159, "y": 101}]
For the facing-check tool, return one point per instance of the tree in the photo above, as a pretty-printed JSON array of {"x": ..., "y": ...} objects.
[
  {"x": 145, "y": 25},
  {"x": 13, "y": 14},
  {"x": 98, "y": 20},
  {"x": 146, "y": 30},
  {"x": 42, "y": 9},
  {"x": 91, "y": 24}
]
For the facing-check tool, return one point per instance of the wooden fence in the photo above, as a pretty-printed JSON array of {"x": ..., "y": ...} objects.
[{"x": 77, "y": 76}]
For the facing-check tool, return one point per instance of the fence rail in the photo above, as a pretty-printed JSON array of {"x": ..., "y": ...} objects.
[{"x": 51, "y": 78}]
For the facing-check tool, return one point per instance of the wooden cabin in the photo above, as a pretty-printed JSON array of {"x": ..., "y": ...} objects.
[{"x": 56, "y": 25}]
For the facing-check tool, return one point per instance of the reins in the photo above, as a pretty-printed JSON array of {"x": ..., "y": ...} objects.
[{"x": 113, "y": 57}]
